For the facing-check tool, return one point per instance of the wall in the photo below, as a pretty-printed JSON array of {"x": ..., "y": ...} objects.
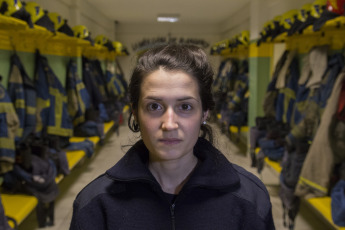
[
  {"x": 131, "y": 34},
  {"x": 236, "y": 23}
]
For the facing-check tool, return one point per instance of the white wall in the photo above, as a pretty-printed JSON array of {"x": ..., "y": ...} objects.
[
  {"x": 236, "y": 23},
  {"x": 130, "y": 34}
]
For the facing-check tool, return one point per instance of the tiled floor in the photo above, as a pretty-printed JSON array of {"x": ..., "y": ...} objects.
[{"x": 114, "y": 149}]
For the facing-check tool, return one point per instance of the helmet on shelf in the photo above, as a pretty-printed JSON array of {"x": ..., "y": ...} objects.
[
  {"x": 304, "y": 12},
  {"x": 104, "y": 41},
  {"x": 101, "y": 39},
  {"x": 317, "y": 8},
  {"x": 288, "y": 19},
  {"x": 34, "y": 10},
  {"x": 81, "y": 31},
  {"x": 243, "y": 38},
  {"x": 8, "y": 7},
  {"x": 56, "y": 19}
]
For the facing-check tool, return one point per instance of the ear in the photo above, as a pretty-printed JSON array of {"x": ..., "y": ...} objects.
[
  {"x": 205, "y": 115},
  {"x": 134, "y": 114}
]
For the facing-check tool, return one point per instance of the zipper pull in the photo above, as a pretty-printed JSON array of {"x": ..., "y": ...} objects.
[{"x": 172, "y": 211}]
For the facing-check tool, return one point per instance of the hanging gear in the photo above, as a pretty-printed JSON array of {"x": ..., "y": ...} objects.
[
  {"x": 9, "y": 124},
  {"x": 23, "y": 95},
  {"x": 51, "y": 103},
  {"x": 77, "y": 96}
]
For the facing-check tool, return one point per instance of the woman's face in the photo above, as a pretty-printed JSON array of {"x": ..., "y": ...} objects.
[{"x": 169, "y": 114}]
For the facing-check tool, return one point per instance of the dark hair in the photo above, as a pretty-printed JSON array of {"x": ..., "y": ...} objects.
[{"x": 190, "y": 59}]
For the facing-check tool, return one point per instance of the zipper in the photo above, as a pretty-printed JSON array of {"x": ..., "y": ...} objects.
[{"x": 172, "y": 212}]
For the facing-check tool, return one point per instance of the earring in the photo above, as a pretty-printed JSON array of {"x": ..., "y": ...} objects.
[{"x": 204, "y": 123}]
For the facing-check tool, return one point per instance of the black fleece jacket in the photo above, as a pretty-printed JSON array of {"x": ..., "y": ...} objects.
[{"x": 218, "y": 195}]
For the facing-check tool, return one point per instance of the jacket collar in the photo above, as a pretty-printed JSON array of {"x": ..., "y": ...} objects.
[{"x": 214, "y": 171}]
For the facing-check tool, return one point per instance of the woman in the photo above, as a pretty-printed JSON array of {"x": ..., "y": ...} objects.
[{"x": 173, "y": 178}]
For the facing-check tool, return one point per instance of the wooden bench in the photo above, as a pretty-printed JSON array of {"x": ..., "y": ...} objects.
[{"x": 19, "y": 206}]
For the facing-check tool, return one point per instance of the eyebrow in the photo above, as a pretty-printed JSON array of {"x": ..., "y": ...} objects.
[{"x": 160, "y": 99}]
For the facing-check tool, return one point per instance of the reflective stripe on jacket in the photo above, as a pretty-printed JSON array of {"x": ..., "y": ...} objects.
[
  {"x": 51, "y": 102},
  {"x": 9, "y": 123},
  {"x": 77, "y": 96},
  {"x": 22, "y": 92}
]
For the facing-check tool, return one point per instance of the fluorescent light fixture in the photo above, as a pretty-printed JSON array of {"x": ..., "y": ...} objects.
[{"x": 168, "y": 18}]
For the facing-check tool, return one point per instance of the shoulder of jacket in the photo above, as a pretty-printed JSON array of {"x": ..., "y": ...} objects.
[
  {"x": 100, "y": 185},
  {"x": 253, "y": 191}
]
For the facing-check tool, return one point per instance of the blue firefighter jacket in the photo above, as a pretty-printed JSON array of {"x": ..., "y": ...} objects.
[
  {"x": 316, "y": 101},
  {"x": 286, "y": 97},
  {"x": 53, "y": 117},
  {"x": 23, "y": 95},
  {"x": 78, "y": 97},
  {"x": 97, "y": 100},
  {"x": 9, "y": 124}
]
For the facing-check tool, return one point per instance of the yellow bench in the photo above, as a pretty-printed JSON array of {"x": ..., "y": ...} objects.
[
  {"x": 95, "y": 140},
  {"x": 19, "y": 206},
  {"x": 323, "y": 206},
  {"x": 272, "y": 164}
]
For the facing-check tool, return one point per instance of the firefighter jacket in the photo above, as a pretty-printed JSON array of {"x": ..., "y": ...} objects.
[
  {"x": 270, "y": 99},
  {"x": 315, "y": 176},
  {"x": 114, "y": 85},
  {"x": 78, "y": 99},
  {"x": 23, "y": 95},
  {"x": 287, "y": 85},
  {"x": 316, "y": 102},
  {"x": 218, "y": 195},
  {"x": 52, "y": 114},
  {"x": 9, "y": 123},
  {"x": 97, "y": 100}
]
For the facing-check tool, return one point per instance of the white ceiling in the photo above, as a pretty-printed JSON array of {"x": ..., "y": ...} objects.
[{"x": 190, "y": 11}]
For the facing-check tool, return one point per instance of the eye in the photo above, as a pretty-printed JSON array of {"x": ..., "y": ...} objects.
[
  {"x": 185, "y": 107},
  {"x": 154, "y": 107}
]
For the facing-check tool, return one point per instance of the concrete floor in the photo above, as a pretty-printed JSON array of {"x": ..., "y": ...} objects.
[{"x": 108, "y": 154}]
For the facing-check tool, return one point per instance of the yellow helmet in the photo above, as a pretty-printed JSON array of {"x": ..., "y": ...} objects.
[
  {"x": 317, "y": 8},
  {"x": 288, "y": 19},
  {"x": 303, "y": 12},
  {"x": 81, "y": 31},
  {"x": 8, "y": 7},
  {"x": 34, "y": 10},
  {"x": 101, "y": 39},
  {"x": 243, "y": 38},
  {"x": 119, "y": 48},
  {"x": 56, "y": 19}
]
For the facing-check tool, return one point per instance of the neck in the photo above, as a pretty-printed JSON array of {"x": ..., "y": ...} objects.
[{"x": 172, "y": 175}]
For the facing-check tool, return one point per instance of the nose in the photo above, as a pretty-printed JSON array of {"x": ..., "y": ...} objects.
[{"x": 169, "y": 120}]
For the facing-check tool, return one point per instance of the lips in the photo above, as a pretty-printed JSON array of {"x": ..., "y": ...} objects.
[{"x": 170, "y": 141}]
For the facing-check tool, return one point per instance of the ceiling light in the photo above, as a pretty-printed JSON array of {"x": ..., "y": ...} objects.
[{"x": 168, "y": 18}]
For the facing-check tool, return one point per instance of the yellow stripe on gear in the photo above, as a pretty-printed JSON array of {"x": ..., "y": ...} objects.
[{"x": 304, "y": 181}]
